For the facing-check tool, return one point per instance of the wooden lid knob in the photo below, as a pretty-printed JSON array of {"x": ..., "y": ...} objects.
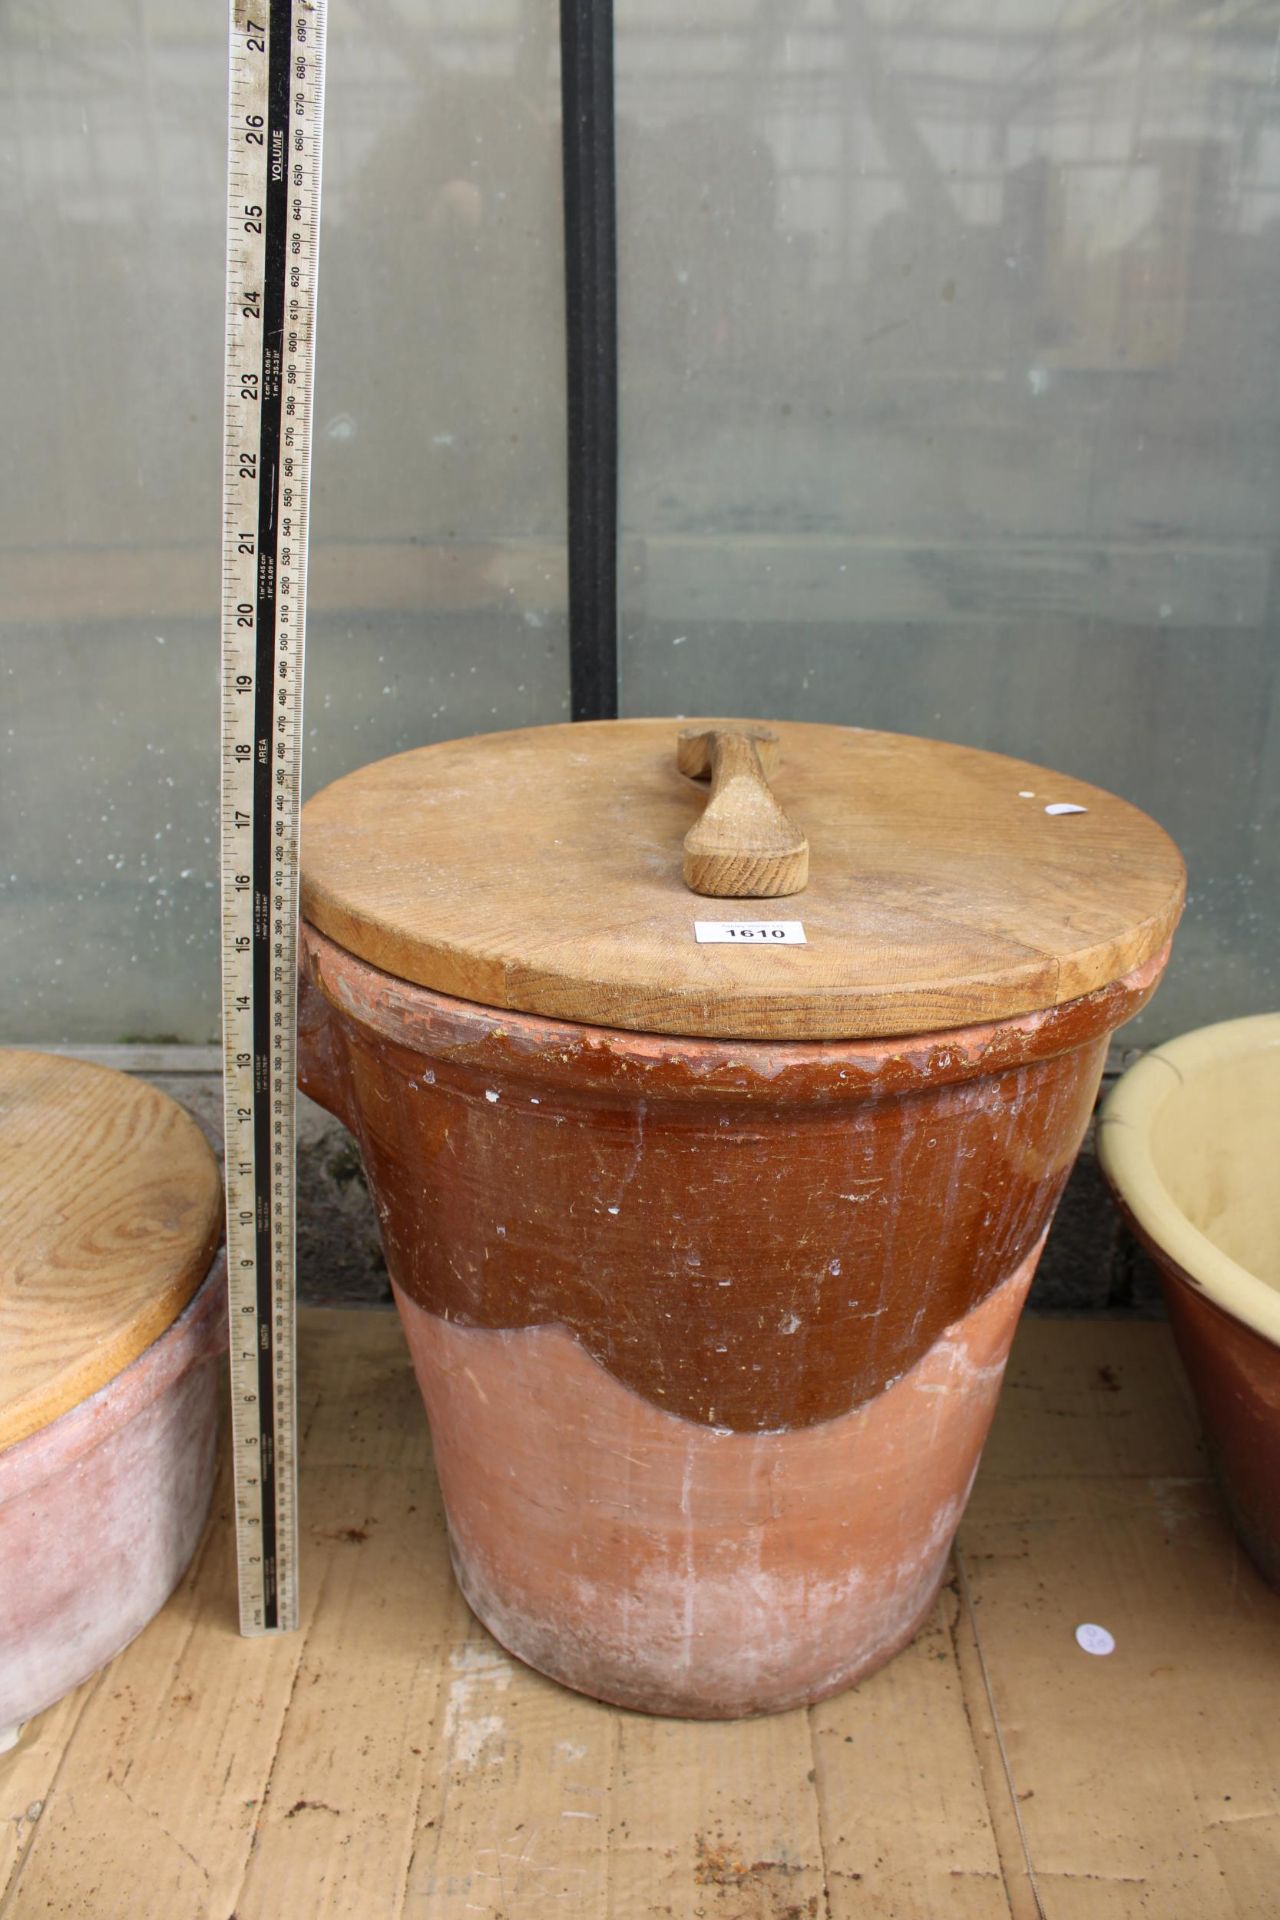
[{"x": 744, "y": 847}]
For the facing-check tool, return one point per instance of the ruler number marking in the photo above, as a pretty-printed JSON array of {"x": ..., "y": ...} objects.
[{"x": 272, "y": 230}]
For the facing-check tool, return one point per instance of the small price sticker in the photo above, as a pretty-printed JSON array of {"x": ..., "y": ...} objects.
[{"x": 749, "y": 933}]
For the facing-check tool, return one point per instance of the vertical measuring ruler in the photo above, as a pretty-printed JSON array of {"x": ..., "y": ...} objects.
[{"x": 273, "y": 222}]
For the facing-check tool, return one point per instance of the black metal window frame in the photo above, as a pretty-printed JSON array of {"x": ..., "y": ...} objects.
[{"x": 591, "y": 352}]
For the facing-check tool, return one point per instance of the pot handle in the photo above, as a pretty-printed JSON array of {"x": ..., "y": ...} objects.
[
  {"x": 743, "y": 847},
  {"x": 321, "y": 1074}
]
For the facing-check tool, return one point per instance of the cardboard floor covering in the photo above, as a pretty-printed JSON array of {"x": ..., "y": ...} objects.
[{"x": 390, "y": 1760}]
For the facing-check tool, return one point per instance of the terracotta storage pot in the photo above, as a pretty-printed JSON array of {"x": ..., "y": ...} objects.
[
  {"x": 709, "y": 1255},
  {"x": 1189, "y": 1139},
  {"x": 111, "y": 1323}
]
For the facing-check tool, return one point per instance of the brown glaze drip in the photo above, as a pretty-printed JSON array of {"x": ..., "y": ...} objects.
[{"x": 751, "y": 1236}]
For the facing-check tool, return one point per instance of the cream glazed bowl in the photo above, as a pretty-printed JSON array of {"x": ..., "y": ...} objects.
[{"x": 1189, "y": 1141}]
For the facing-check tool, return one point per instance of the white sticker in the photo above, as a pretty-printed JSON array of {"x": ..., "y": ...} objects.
[
  {"x": 749, "y": 933},
  {"x": 1065, "y": 806},
  {"x": 1095, "y": 1639}
]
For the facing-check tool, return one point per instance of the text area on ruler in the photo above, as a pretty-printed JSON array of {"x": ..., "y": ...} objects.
[{"x": 273, "y": 206}]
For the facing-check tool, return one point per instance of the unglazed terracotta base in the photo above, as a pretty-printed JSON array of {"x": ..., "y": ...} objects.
[
  {"x": 709, "y": 1331},
  {"x": 101, "y": 1510},
  {"x": 688, "y": 1570}
]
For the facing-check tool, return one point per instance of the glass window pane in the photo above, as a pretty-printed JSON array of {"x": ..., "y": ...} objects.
[
  {"x": 950, "y": 344},
  {"x": 437, "y": 575}
]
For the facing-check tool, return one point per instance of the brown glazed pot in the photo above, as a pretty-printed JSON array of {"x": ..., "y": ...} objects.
[
  {"x": 1190, "y": 1141},
  {"x": 710, "y": 1331}
]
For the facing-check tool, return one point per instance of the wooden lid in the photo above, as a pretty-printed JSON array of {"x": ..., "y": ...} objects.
[
  {"x": 110, "y": 1213},
  {"x": 542, "y": 871}
]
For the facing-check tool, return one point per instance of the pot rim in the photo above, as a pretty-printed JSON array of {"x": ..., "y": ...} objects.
[
  {"x": 1125, "y": 1125},
  {"x": 597, "y": 1059}
]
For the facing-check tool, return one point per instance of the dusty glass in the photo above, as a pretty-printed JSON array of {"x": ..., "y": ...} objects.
[
  {"x": 950, "y": 391},
  {"x": 437, "y": 579}
]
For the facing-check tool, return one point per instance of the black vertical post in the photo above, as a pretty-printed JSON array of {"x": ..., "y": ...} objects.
[{"x": 591, "y": 345}]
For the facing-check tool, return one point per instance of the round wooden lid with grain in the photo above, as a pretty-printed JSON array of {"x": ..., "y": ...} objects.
[
  {"x": 561, "y": 870},
  {"x": 110, "y": 1214}
]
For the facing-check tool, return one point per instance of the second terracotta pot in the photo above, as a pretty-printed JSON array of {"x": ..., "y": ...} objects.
[{"x": 710, "y": 1332}]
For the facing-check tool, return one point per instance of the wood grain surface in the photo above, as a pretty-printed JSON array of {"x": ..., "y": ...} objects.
[
  {"x": 112, "y": 1210},
  {"x": 541, "y": 870}
]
